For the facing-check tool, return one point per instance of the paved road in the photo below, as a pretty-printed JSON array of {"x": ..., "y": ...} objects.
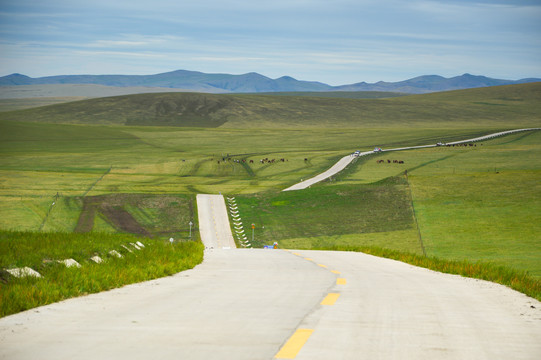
[
  {"x": 346, "y": 160},
  {"x": 335, "y": 169},
  {"x": 391, "y": 310},
  {"x": 214, "y": 222},
  {"x": 247, "y": 304}
]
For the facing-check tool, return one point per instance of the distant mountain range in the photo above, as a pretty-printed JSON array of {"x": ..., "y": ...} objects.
[{"x": 255, "y": 83}]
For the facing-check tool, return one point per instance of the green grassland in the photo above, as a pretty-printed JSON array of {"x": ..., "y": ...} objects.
[
  {"x": 41, "y": 251},
  {"x": 479, "y": 203},
  {"x": 108, "y": 171},
  {"x": 25, "y": 103},
  {"x": 483, "y": 107}
]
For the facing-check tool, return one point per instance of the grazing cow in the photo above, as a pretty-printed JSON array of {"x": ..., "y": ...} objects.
[
  {"x": 388, "y": 161},
  {"x": 305, "y": 159},
  {"x": 401, "y": 162},
  {"x": 251, "y": 161}
]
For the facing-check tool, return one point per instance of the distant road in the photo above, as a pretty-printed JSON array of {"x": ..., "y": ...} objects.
[
  {"x": 346, "y": 160},
  {"x": 214, "y": 222}
]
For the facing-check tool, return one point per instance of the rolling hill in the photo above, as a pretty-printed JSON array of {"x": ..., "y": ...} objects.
[
  {"x": 256, "y": 83},
  {"x": 491, "y": 106}
]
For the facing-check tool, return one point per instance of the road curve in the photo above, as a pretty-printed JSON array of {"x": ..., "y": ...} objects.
[
  {"x": 346, "y": 160},
  {"x": 247, "y": 304},
  {"x": 214, "y": 224}
]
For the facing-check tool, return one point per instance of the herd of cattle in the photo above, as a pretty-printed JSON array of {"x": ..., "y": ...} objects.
[
  {"x": 458, "y": 145},
  {"x": 244, "y": 161},
  {"x": 272, "y": 161}
]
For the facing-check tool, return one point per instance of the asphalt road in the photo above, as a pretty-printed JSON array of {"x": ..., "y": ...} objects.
[{"x": 248, "y": 304}]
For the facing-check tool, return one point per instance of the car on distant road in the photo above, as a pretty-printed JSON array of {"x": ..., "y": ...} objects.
[{"x": 377, "y": 149}]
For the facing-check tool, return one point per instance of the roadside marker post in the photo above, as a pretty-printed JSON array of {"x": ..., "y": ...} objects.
[
  {"x": 253, "y": 230},
  {"x": 191, "y": 223}
]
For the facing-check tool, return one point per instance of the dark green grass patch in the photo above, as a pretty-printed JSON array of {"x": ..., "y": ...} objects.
[
  {"x": 328, "y": 211},
  {"x": 41, "y": 251}
]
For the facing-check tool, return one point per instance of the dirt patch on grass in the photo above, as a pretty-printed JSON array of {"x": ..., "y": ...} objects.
[
  {"x": 111, "y": 208},
  {"x": 86, "y": 218},
  {"x": 123, "y": 220},
  {"x": 141, "y": 214}
]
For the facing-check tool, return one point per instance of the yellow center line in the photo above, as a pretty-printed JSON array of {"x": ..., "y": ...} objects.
[
  {"x": 341, "y": 281},
  {"x": 295, "y": 343},
  {"x": 323, "y": 266},
  {"x": 335, "y": 272},
  {"x": 330, "y": 299},
  {"x": 308, "y": 259},
  {"x": 297, "y": 254}
]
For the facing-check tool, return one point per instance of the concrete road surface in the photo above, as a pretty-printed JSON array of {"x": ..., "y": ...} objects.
[
  {"x": 265, "y": 304},
  {"x": 335, "y": 169},
  {"x": 214, "y": 222}
]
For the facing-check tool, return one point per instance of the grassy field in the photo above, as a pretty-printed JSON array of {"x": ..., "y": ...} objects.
[
  {"x": 41, "y": 251},
  {"x": 455, "y": 204},
  {"x": 477, "y": 108},
  {"x": 39, "y": 161},
  {"x": 478, "y": 203}
]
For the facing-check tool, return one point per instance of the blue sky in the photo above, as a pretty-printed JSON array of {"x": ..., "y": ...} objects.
[{"x": 332, "y": 41}]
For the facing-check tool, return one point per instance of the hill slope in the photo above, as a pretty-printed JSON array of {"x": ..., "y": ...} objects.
[{"x": 503, "y": 107}]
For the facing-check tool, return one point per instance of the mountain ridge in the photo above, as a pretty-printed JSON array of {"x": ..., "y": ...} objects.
[{"x": 253, "y": 82}]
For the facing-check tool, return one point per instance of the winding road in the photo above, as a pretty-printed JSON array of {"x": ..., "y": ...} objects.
[
  {"x": 346, "y": 160},
  {"x": 277, "y": 304}
]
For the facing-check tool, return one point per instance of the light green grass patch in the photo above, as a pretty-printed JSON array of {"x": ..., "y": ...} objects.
[
  {"x": 488, "y": 216},
  {"x": 41, "y": 250}
]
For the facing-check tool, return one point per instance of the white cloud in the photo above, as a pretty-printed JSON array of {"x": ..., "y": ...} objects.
[{"x": 334, "y": 42}]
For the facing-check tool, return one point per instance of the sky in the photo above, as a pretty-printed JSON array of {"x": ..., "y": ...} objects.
[{"x": 332, "y": 41}]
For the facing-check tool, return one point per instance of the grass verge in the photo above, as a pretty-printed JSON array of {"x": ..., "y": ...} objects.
[
  {"x": 329, "y": 211},
  {"x": 40, "y": 251},
  {"x": 517, "y": 280}
]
